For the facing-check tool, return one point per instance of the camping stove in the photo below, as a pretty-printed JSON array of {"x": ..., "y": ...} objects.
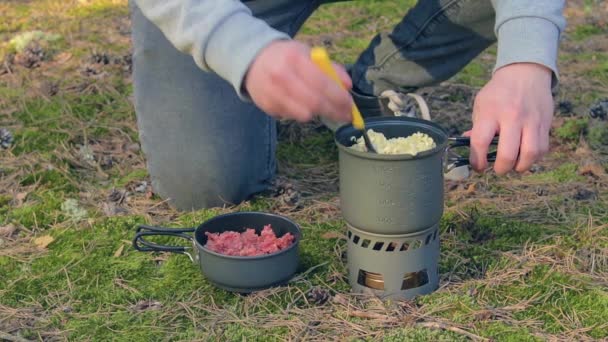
[{"x": 393, "y": 266}]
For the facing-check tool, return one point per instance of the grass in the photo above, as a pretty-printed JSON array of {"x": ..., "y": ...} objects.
[
  {"x": 523, "y": 257},
  {"x": 582, "y": 32},
  {"x": 571, "y": 130}
]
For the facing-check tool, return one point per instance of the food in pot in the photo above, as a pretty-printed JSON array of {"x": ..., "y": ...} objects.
[
  {"x": 248, "y": 243},
  {"x": 413, "y": 144}
]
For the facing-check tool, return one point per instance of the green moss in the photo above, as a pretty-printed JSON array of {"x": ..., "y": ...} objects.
[
  {"x": 598, "y": 135},
  {"x": 571, "y": 130},
  {"x": 456, "y": 307},
  {"x": 316, "y": 250},
  {"x": 422, "y": 334},
  {"x": 41, "y": 210},
  {"x": 558, "y": 298},
  {"x": 358, "y": 17},
  {"x": 566, "y": 172},
  {"x": 10, "y": 94},
  {"x": 49, "y": 124},
  {"x": 499, "y": 331},
  {"x": 5, "y": 200},
  {"x": 313, "y": 150},
  {"x": 585, "y": 31},
  {"x": 237, "y": 332},
  {"x": 481, "y": 238},
  {"x": 33, "y": 139},
  {"x": 98, "y": 9},
  {"x": 600, "y": 72},
  {"x": 22, "y": 40},
  {"x": 475, "y": 74},
  {"x": 135, "y": 175},
  {"x": 50, "y": 179}
]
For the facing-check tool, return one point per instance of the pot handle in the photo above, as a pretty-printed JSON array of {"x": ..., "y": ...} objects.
[
  {"x": 454, "y": 162},
  {"x": 142, "y": 245}
]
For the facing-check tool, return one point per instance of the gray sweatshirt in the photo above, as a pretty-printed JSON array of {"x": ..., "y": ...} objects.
[{"x": 224, "y": 37}]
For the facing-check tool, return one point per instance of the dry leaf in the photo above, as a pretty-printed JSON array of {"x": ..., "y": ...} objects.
[
  {"x": 583, "y": 150},
  {"x": 339, "y": 299},
  {"x": 471, "y": 189},
  {"x": 8, "y": 231},
  {"x": 592, "y": 169},
  {"x": 63, "y": 57},
  {"x": 332, "y": 235},
  {"x": 19, "y": 198},
  {"x": 119, "y": 251},
  {"x": 43, "y": 241}
]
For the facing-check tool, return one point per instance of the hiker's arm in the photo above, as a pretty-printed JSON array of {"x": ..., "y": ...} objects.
[
  {"x": 263, "y": 64},
  {"x": 517, "y": 102},
  {"x": 222, "y": 36},
  {"x": 529, "y": 32}
]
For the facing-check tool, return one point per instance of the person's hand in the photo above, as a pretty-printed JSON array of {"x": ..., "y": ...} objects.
[
  {"x": 517, "y": 104},
  {"x": 284, "y": 82}
]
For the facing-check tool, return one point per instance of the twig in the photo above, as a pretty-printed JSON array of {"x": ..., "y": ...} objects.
[
  {"x": 12, "y": 338},
  {"x": 441, "y": 326},
  {"x": 303, "y": 275},
  {"x": 371, "y": 315}
]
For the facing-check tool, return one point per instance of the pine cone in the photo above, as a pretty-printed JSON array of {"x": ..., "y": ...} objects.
[
  {"x": 100, "y": 58},
  {"x": 6, "y": 138},
  {"x": 117, "y": 196},
  {"x": 284, "y": 192},
  {"x": 127, "y": 61},
  {"x": 31, "y": 56},
  {"x": 599, "y": 110},
  {"x": 318, "y": 295}
]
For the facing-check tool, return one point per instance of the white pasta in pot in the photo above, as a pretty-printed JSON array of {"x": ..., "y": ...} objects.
[{"x": 413, "y": 144}]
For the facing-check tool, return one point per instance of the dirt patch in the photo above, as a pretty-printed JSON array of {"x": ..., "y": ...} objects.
[{"x": 451, "y": 106}]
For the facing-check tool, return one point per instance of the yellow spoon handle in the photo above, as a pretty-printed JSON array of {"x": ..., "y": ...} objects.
[{"x": 320, "y": 57}]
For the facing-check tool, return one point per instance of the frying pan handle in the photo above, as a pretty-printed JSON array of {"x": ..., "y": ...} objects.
[
  {"x": 454, "y": 162},
  {"x": 142, "y": 245}
]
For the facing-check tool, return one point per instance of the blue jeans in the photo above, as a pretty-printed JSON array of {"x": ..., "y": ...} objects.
[{"x": 205, "y": 147}]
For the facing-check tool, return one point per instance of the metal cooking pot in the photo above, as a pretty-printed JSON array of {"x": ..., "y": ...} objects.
[
  {"x": 395, "y": 194},
  {"x": 233, "y": 273}
]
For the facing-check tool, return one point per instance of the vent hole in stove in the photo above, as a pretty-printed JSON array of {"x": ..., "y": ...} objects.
[
  {"x": 375, "y": 281},
  {"x": 413, "y": 280},
  {"x": 371, "y": 280},
  {"x": 378, "y": 246},
  {"x": 391, "y": 246}
]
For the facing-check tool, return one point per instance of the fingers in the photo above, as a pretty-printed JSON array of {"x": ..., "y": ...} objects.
[
  {"x": 283, "y": 81},
  {"x": 543, "y": 133},
  {"x": 529, "y": 150},
  {"x": 481, "y": 136},
  {"x": 308, "y": 101},
  {"x": 337, "y": 103},
  {"x": 508, "y": 148},
  {"x": 344, "y": 76}
]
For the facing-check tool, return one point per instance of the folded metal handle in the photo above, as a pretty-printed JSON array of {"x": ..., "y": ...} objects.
[
  {"x": 143, "y": 245},
  {"x": 454, "y": 162}
]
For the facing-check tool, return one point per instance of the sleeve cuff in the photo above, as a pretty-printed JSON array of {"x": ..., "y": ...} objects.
[
  {"x": 529, "y": 40},
  {"x": 234, "y": 45}
]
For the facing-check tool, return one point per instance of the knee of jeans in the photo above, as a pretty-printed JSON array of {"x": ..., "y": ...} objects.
[{"x": 204, "y": 191}]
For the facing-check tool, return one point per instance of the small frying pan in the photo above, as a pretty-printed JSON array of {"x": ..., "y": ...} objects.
[{"x": 242, "y": 274}]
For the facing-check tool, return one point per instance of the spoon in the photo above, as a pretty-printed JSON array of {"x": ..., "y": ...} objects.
[{"x": 320, "y": 57}]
